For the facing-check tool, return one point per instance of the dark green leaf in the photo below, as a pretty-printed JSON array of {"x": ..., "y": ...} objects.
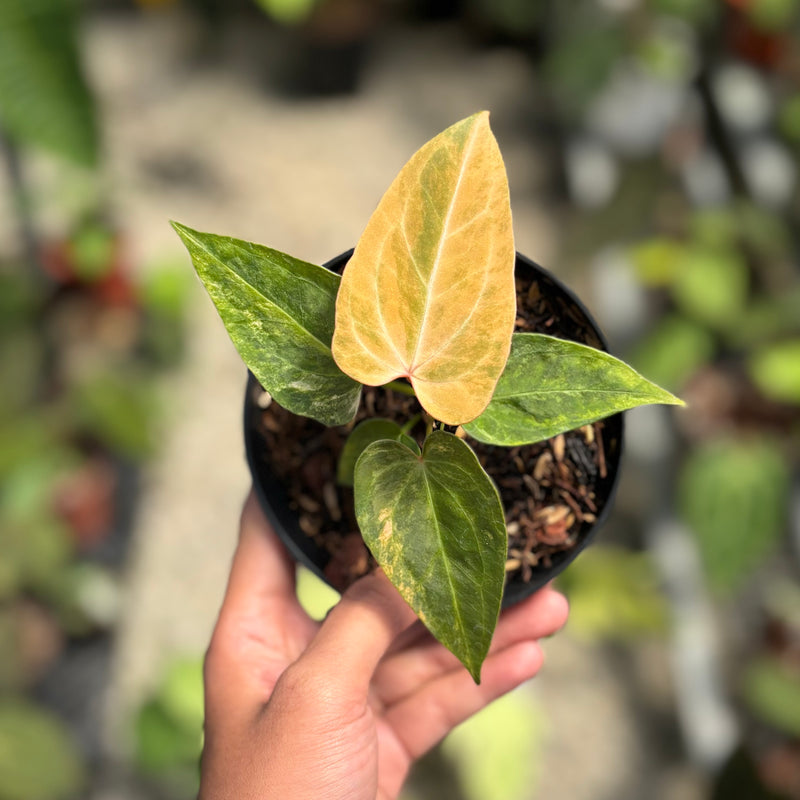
[
  {"x": 367, "y": 432},
  {"x": 550, "y": 386},
  {"x": 279, "y": 312},
  {"x": 673, "y": 350},
  {"x": 44, "y": 99},
  {"x": 410, "y": 443},
  {"x": 711, "y": 286},
  {"x": 435, "y": 524},
  {"x": 38, "y": 761},
  {"x": 733, "y": 495},
  {"x": 772, "y": 690}
]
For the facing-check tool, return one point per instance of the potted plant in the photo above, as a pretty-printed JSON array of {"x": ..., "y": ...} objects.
[{"x": 426, "y": 309}]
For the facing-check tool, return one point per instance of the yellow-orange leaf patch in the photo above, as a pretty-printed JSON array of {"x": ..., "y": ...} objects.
[{"x": 429, "y": 291}]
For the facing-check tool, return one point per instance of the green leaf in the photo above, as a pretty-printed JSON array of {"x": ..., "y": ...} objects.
[
  {"x": 435, "y": 524},
  {"x": 38, "y": 761},
  {"x": 772, "y": 690},
  {"x": 279, "y": 312},
  {"x": 674, "y": 350},
  {"x": 712, "y": 286},
  {"x": 733, "y": 495},
  {"x": 367, "y": 432},
  {"x": 776, "y": 371},
  {"x": 44, "y": 99},
  {"x": 181, "y": 695},
  {"x": 614, "y": 594},
  {"x": 550, "y": 386},
  {"x": 658, "y": 261},
  {"x": 500, "y": 751}
]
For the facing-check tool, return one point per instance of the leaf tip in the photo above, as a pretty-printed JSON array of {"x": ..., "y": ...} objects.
[{"x": 182, "y": 230}]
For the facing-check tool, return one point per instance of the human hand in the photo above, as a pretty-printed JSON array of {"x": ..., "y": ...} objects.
[{"x": 297, "y": 709}]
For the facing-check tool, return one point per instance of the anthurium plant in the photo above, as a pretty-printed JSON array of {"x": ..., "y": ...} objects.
[{"x": 426, "y": 305}]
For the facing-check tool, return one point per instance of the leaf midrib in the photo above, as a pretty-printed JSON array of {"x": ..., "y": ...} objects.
[
  {"x": 450, "y": 584},
  {"x": 442, "y": 238}
]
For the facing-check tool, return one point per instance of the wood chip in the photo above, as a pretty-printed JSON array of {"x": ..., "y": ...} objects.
[
  {"x": 543, "y": 464},
  {"x": 332, "y": 501}
]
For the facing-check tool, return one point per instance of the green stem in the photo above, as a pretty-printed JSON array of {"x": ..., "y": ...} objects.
[
  {"x": 399, "y": 386},
  {"x": 411, "y": 423}
]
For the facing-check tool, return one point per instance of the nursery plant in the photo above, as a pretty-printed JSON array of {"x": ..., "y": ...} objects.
[{"x": 426, "y": 305}]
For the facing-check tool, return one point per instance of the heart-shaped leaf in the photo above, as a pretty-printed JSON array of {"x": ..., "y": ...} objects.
[
  {"x": 435, "y": 524},
  {"x": 429, "y": 291},
  {"x": 550, "y": 386},
  {"x": 279, "y": 312}
]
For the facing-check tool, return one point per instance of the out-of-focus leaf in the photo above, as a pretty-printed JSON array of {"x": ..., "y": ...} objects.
[
  {"x": 181, "y": 694},
  {"x": 712, "y": 286},
  {"x": 119, "y": 408},
  {"x": 92, "y": 251},
  {"x": 499, "y": 751},
  {"x": 19, "y": 298},
  {"x": 763, "y": 231},
  {"x": 161, "y": 743},
  {"x": 733, "y": 495},
  {"x": 44, "y": 99},
  {"x": 25, "y": 439},
  {"x": 696, "y": 12},
  {"x": 38, "y": 760},
  {"x": 776, "y": 371},
  {"x": 168, "y": 728},
  {"x": 34, "y": 544},
  {"x": 21, "y": 370},
  {"x": 580, "y": 62},
  {"x": 772, "y": 15},
  {"x": 515, "y": 17},
  {"x": 34, "y": 553},
  {"x": 658, "y": 261},
  {"x": 768, "y": 318},
  {"x": 164, "y": 292},
  {"x": 668, "y": 53},
  {"x": 716, "y": 228},
  {"x": 789, "y": 119},
  {"x": 85, "y": 597},
  {"x": 12, "y": 667},
  {"x": 771, "y": 689},
  {"x": 165, "y": 289},
  {"x": 614, "y": 594},
  {"x": 288, "y": 12},
  {"x": 673, "y": 351}
]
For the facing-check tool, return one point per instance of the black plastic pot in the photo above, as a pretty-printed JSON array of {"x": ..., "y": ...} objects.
[{"x": 577, "y": 325}]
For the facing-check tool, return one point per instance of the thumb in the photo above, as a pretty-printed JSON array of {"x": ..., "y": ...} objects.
[{"x": 358, "y": 631}]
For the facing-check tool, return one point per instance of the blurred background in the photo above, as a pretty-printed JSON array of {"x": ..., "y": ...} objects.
[{"x": 653, "y": 149}]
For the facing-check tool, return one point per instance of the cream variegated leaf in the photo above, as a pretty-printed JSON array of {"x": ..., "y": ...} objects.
[
  {"x": 434, "y": 522},
  {"x": 429, "y": 291}
]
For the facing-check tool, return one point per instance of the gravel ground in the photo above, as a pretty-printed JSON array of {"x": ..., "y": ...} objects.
[{"x": 197, "y": 137}]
